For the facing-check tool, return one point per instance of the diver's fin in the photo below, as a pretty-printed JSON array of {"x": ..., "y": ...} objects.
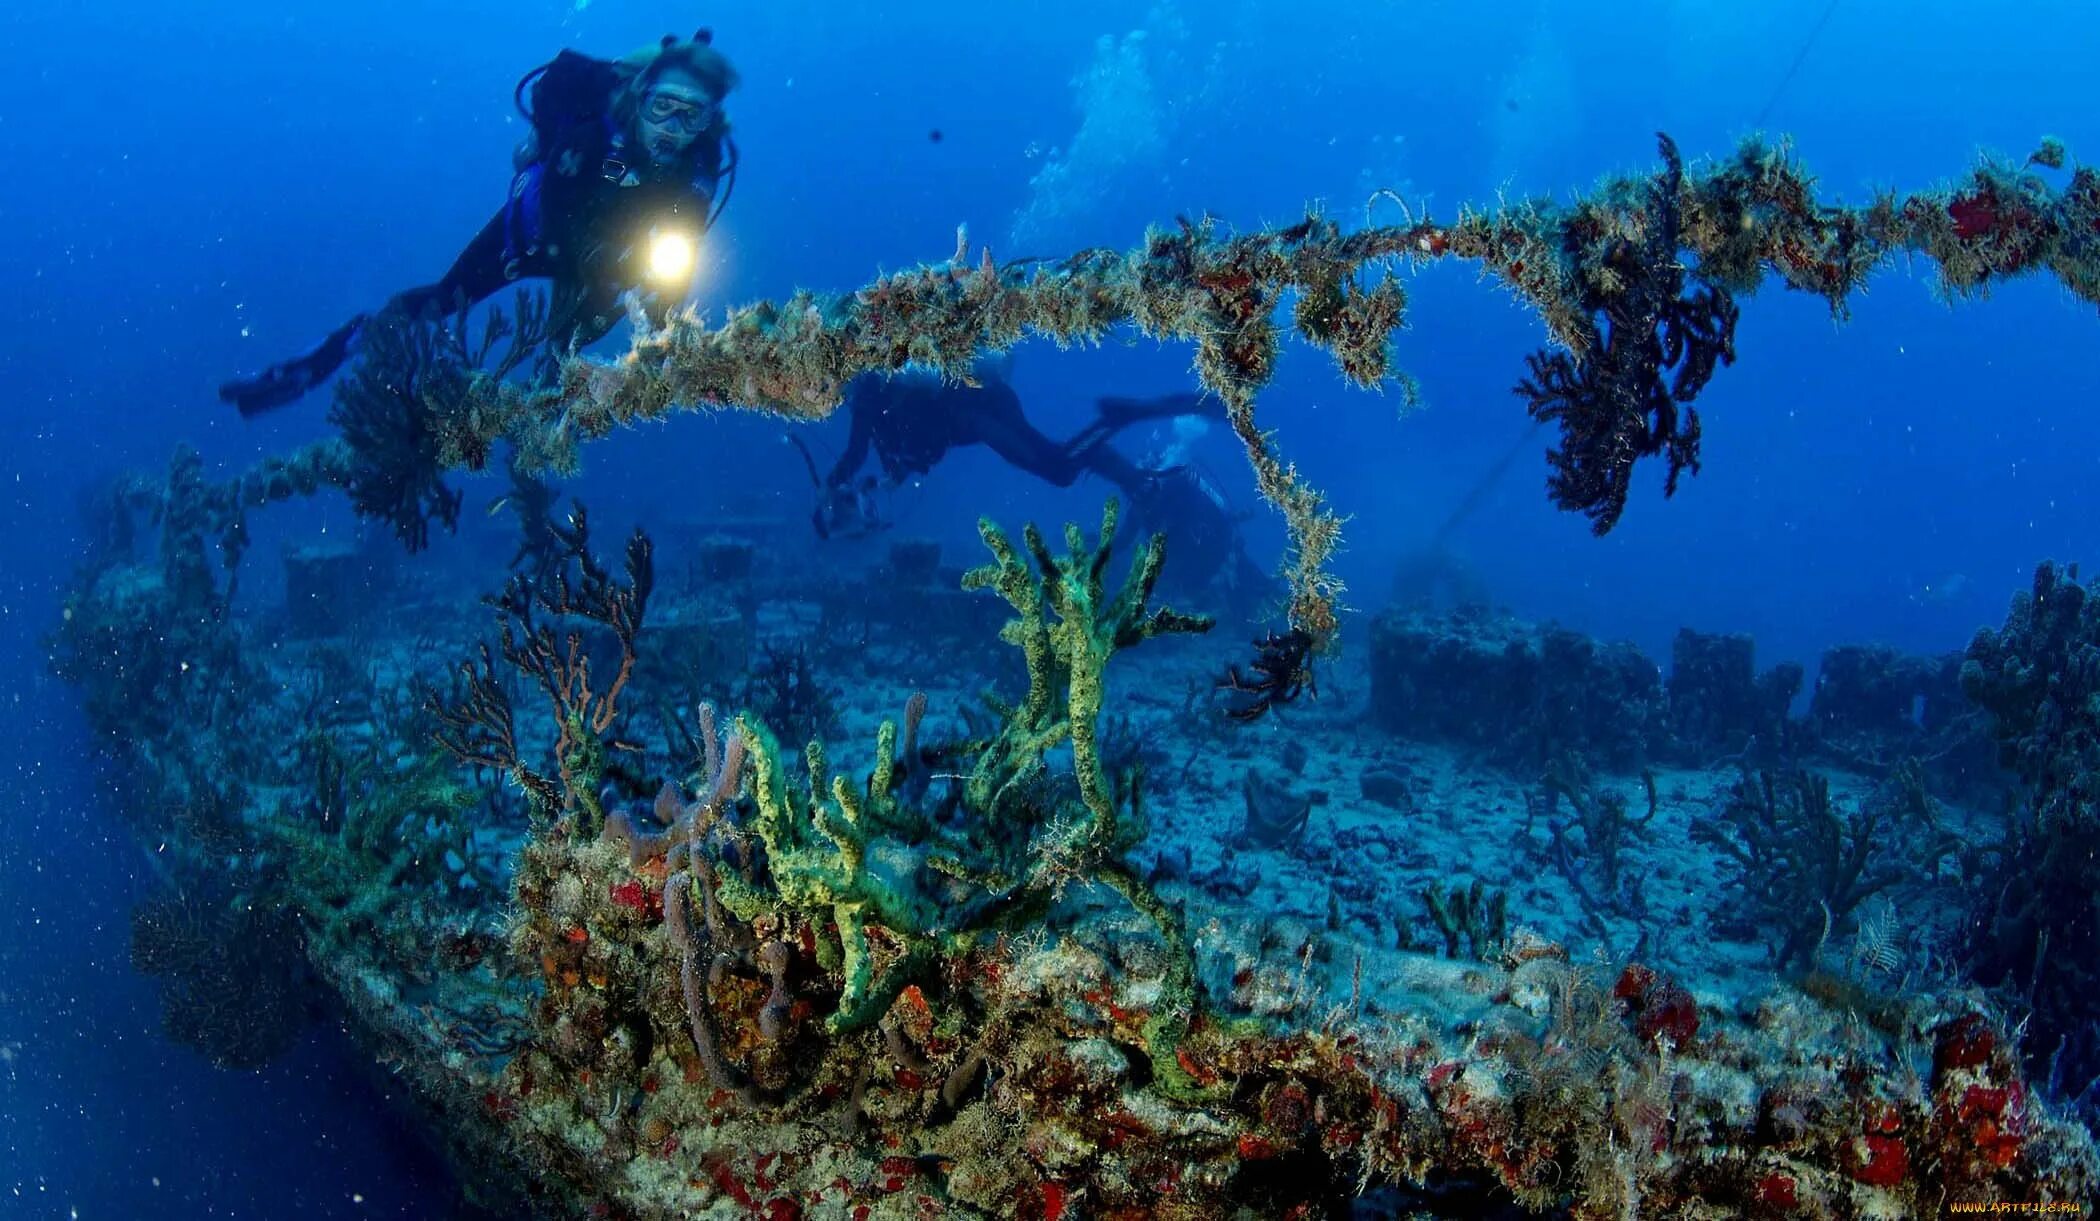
[
  {"x": 1122, "y": 412},
  {"x": 276, "y": 386},
  {"x": 287, "y": 382},
  {"x": 1113, "y": 414}
]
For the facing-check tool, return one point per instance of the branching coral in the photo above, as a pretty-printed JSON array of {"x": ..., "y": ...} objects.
[
  {"x": 541, "y": 545},
  {"x": 1067, "y": 661},
  {"x": 477, "y": 725},
  {"x": 382, "y": 852},
  {"x": 1802, "y": 867},
  {"x": 477, "y": 718},
  {"x": 1602, "y": 814},
  {"x": 1016, "y": 844},
  {"x": 381, "y": 411}
]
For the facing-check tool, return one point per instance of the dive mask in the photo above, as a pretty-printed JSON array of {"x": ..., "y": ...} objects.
[{"x": 685, "y": 114}]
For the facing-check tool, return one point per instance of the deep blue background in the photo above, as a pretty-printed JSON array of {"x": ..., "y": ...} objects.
[{"x": 192, "y": 190}]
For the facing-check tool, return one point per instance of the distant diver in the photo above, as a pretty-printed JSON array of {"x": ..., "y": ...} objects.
[
  {"x": 1207, "y": 551},
  {"x": 911, "y": 421},
  {"x": 628, "y": 164}
]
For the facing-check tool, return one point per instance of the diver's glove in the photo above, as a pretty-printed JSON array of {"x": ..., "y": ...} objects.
[{"x": 288, "y": 381}]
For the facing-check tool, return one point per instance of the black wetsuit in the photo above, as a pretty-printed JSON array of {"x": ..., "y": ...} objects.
[
  {"x": 1204, "y": 545},
  {"x": 578, "y": 214},
  {"x": 912, "y": 421}
]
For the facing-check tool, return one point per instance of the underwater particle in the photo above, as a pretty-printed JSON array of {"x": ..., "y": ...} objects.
[{"x": 934, "y": 136}]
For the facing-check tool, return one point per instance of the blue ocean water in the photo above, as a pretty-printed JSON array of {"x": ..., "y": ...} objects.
[{"x": 194, "y": 192}]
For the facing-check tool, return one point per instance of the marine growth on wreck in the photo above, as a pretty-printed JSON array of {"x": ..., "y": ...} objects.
[{"x": 988, "y": 896}]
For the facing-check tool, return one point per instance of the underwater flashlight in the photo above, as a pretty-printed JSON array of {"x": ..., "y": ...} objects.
[{"x": 672, "y": 254}]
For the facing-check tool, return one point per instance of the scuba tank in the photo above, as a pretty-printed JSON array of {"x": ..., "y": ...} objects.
[
  {"x": 569, "y": 89},
  {"x": 574, "y": 88}
]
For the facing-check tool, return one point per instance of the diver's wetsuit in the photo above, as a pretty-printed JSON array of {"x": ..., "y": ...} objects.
[
  {"x": 911, "y": 422},
  {"x": 575, "y": 212},
  {"x": 1202, "y": 535}
]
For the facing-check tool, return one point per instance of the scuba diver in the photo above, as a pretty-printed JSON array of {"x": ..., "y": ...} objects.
[
  {"x": 911, "y": 420},
  {"x": 628, "y": 163}
]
